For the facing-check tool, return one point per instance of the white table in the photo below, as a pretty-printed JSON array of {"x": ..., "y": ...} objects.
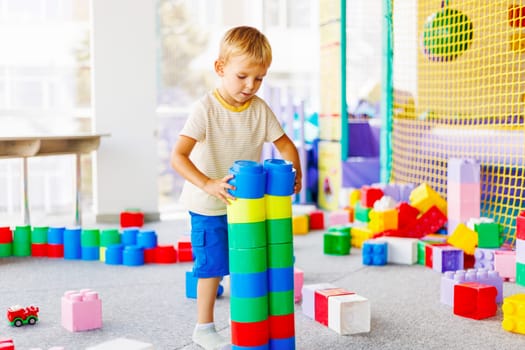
[{"x": 49, "y": 145}]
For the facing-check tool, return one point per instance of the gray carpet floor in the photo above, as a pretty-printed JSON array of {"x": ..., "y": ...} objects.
[{"x": 148, "y": 303}]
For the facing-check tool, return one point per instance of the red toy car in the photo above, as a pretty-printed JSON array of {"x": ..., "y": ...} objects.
[{"x": 19, "y": 316}]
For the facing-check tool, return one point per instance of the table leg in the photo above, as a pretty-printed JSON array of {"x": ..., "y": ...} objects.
[
  {"x": 78, "y": 209},
  {"x": 27, "y": 219}
]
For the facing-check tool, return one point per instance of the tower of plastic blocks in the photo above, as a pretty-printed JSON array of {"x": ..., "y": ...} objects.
[
  {"x": 248, "y": 257},
  {"x": 463, "y": 191},
  {"x": 81, "y": 310},
  {"x": 6, "y": 242},
  {"x": 279, "y": 189}
]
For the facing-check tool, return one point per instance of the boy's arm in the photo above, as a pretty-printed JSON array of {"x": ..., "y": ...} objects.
[
  {"x": 288, "y": 151},
  {"x": 181, "y": 163}
]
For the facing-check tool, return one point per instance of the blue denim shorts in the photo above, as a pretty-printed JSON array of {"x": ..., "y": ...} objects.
[{"x": 209, "y": 241}]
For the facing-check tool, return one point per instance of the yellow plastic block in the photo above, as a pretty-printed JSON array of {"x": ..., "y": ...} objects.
[
  {"x": 464, "y": 238},
  {"x": 278, "y": 207},
  {"x": 354, "y": 197},
  {"x": 383, "y": 220},
  {"x": 514, "y": 313},
  {"x": 423, "y": 197},
  {"x": 360, "y": 234},
  {"x": 300, "y": 224},
  {"x": 102, "y": 254},
  {"x": 243, "y": 210}
]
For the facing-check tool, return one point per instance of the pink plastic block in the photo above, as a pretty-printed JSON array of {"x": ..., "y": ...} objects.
[
  {"x": 298, "y": 281},
  {"x": 505, "y": 264},
  {"x": 463, "y": 193},
  {"x": 339, "y": 217},
  {"x": 81, "y": 310}
]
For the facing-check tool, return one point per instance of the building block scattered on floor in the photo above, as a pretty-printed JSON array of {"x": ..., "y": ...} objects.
[
  {"x": 383, "y": 220},
  {"x": 369, "y": 195},
  {"x": 505, "y": 264},
  {"x": 446, "y": 258},
  {"x": 317, "y": 220},
  {"x": 464, "y": 238},
  {"x": 308, "y": 293},
  {"x": 122, "y": 344},
  {"x": 451, "y": 278},
  {"x": 374, "y": 253},
  {"x": 489, "y": 235},
  {"x": 361, "y": 214},
  {"x": 514, "y": 313},
  {"x": 130, "y": 218},
  {"x": 336, "y": 243},
  {"x": 338, "y": 217},
  {"x": 298, "y": 282},
  {"x": 401, "y": 250},
  {"x": 484, "y": 258},
  {"x": 321, "y": 302},
  {"x": 184, "y": 248},
  {"x": 7, "y": 344},
  {"x": 359, "y": 235},
  {"x": 165, "y": 254},
  {"x": 349, "y": 314},
  {"x": 81, "y": 310},
  {"x": 475, "y": 300},
  {"x": 300, "y": 225},
  {"x": 424, "y": 197}
]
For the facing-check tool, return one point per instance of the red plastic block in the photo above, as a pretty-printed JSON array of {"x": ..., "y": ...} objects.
[
  {"x": 407, "y": 215},
  {"x": 520, "y": 226},
  {"x": 516, "y": 16},
  {"x": 429, "y": 253},
  {"x": 369, "y": 195},
  {"x": 165, "y": 254},
  {"x": 184, "y": 248},
  {"x": 317, "y": 220},
  {"x": 250, "y": 333},
  {"x": 475, "y": 300},
  {"x": 282, "y": 327},
  {"x": 469, "y": 261},
  {"x": 7, "y": 344},
  {"x": 131, "y": 219},
  {"x": 6, "y": 236},
  {"x": 55, "y": 250},
  {"x": 39, "y": 249},
  {"x": 150, "y": 255},
  {"x": 321, "y": 302}
]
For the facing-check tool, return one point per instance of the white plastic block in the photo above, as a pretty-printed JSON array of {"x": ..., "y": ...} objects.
[
  {"x": 349, "y": 314},
  {"x": 401, "y": 250},
  {"x": 308, "y": 292},
  {"x": 122, "y": 344}
]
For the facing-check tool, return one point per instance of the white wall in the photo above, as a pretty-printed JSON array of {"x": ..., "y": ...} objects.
[{"x": 124, "y": 100}]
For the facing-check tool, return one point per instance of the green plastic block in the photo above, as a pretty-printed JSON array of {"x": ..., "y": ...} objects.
[
  {"x": 520, "y": 274},
  {"x": 336, "y": 243},
  {"x": 361, "y": 214},
  {"x": 489, "y": 234}
]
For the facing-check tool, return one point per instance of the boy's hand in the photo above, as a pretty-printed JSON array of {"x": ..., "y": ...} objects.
[{"x": 219, "y": 189}]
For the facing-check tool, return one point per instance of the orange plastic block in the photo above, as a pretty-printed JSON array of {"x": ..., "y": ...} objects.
[
  {"x": 514, "y": 313},
  {"x": 300, "y": 224},
  {"x": 464, "y": 238},
  {"x": 383, "y": 220},
  {"x": 424, "y": 197}
]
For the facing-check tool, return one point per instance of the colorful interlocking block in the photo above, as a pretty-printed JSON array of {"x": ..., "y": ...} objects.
[
  {"x": 374, "y": 253},
  {"x": 81, "y": 310},
  {"x": 514, "y": 313},
  {"x": 464, "y": 238},
  {"x": 475, "y": 300}
]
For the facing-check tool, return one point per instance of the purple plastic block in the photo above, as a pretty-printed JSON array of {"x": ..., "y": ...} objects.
[
  {"x": 447, "y": 258},
  {"x": 404, "y": 192},
  {"x": 463, "y": 170},
  {"x": 484, "y": 258},
  {"x": 451, "y": 278},
  {"x": 391, "y": 190}
]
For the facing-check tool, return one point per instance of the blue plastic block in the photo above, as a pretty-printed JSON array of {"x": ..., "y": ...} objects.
[
  {"x": 133, "y": 255},
  {"x": 249, "y": 285},
  {"x": 280, "y": 279},
  {"x": 260, "y": 347},
  {"x": 114, "y": 254},
  {"x": 375, "y": 253},
  {"x": 147, "y": 239},
  {"x": 129, "y": 236},
  {"x": 282, "y": 344},
  {"x": 72, "y": 249},
  {"x": 55, "y": 235},
  {"x": 280, "y": 178},
  {"x": 249, "y": 179},
  {"x": 90, "y": 253}
]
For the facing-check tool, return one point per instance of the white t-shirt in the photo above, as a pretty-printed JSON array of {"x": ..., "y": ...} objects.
[{"x": 225, "y": 134}]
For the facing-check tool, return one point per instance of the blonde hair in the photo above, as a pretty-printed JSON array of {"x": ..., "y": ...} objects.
[{"x": 248, "y": 41}]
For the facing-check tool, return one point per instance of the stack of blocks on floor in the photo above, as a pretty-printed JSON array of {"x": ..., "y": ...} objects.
[{"x": 260, "y": 238}]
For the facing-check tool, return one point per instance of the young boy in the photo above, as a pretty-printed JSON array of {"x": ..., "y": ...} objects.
[{"x": 228, "y": 124}]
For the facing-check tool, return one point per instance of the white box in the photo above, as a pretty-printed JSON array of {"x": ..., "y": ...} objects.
[
  {"x": 308, "y": 303},
  {"x": 349, "y": 314},
  {"x": 401, "y": 250}
]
